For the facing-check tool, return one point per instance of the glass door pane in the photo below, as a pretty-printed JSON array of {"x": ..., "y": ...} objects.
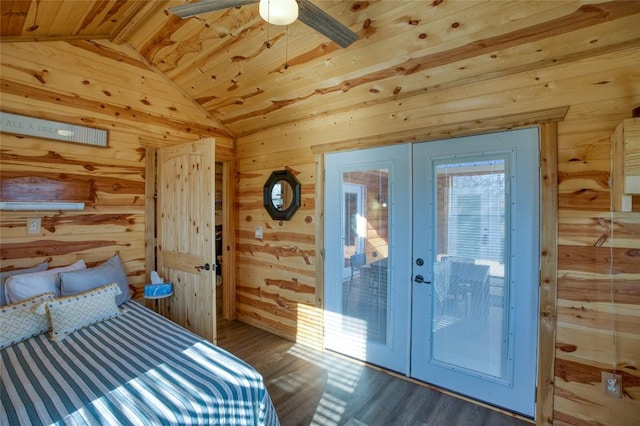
[
  {"x": 469, "y": 321},
  {"x": 366, "y": 247}
]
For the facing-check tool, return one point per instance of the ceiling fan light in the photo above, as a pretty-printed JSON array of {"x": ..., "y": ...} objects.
[{"x": 279, "y": 12}]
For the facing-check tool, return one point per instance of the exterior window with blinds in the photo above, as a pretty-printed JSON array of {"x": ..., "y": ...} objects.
[{"x": 476, "y": 209}]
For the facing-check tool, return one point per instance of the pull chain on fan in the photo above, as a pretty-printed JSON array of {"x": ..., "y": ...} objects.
[
  {"x": 285, "y": 12},
  {"x": 286, "y": 48}
]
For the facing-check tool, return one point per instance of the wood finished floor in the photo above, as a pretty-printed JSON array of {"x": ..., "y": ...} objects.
[{"x": 310, "y": 387}]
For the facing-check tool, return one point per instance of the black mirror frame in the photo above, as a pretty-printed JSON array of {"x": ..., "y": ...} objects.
[{"x": 277, "y": 176}]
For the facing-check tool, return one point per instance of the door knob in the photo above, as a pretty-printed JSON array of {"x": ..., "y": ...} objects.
[
  {"x": 206, "y": 267},
  {"x": 420, "y": 280}
]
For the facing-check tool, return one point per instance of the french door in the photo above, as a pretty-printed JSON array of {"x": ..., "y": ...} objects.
[
  {"x": 435, "y": 274},
  {"x": 475, "y": 243},
  {"x": 366, "y": 292}
]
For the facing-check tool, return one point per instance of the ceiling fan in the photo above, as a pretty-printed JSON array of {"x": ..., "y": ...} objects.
[{"x": 303, "y": 10}]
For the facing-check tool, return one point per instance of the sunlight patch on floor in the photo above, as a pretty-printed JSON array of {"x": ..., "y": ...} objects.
[{"x": 342, "y": 379}]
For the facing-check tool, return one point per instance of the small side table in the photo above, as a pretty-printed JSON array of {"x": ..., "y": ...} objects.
[
  {"x": 162, "y": 296},
  {"x": 158, "y": 305}
]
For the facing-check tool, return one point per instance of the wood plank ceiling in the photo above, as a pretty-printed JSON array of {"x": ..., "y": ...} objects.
[{"x": 404, "y": 48}]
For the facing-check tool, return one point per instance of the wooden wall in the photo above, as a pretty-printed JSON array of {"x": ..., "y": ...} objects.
[
  {"x": 108, "y": 86},
  {"x": 96, "y": 84},
  {"x": 276, "y": 274},
  {"x": 275, "y": 279}
]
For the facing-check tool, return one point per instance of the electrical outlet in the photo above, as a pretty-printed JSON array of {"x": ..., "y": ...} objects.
[
  {"x": 612, "y": 384},
  {"x": 259, "y": 232},
  {"x": 33, "y": 225}
]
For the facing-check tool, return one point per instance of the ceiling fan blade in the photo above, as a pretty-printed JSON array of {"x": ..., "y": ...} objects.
[
  {"x": 191, "y": 9},
  {"x": 325, "y": 24},
  {"x": 309, "y": 13}
]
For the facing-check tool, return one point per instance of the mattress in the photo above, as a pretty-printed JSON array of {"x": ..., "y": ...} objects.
[{"x": 137, "y": 368}]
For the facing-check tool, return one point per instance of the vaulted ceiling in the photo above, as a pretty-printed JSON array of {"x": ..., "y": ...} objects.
[{"x": 404, "y": 48}]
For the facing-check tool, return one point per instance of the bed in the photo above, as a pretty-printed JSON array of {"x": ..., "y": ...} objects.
[{"x": 135, "y": 368}]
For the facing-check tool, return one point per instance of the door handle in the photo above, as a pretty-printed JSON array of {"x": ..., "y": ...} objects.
[
  {"x": 420, "y": 280},
  {"x": 206, "y": 267}
]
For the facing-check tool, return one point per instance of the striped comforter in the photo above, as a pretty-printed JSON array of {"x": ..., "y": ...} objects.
[{"x": 138, "y": 368}]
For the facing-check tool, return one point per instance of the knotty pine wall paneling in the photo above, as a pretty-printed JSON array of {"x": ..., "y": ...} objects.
[
  {"x": 276, "y": 285},
  {"x": 102, "y": 85},
  {"x": 277, "y": 291}
]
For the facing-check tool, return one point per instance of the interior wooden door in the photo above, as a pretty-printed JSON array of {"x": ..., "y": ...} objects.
[{"x": 186, "y": 233}]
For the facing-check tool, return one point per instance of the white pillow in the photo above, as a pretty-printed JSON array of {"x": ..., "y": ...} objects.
[
  {"x": 6, "y": 274},
  {"x": 25, "y": 286},
  {"x": 68, "y": 314},
  {"x": 19, "y": 321}
]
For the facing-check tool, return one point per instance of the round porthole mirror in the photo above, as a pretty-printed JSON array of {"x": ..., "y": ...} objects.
[{"x": 281, "y": 195}]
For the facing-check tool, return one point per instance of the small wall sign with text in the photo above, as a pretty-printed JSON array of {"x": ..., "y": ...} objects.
[{"x": 30, "y": 126}]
